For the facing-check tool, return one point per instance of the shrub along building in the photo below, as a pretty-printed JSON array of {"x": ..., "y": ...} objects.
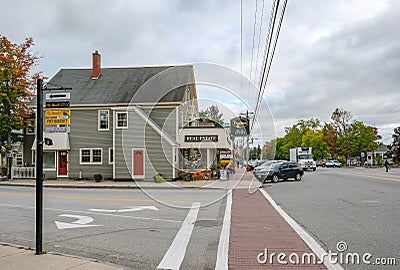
[{"x": 123, "y": 123}]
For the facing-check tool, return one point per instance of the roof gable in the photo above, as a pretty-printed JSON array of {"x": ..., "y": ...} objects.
[{"x": 120, "y": 85}]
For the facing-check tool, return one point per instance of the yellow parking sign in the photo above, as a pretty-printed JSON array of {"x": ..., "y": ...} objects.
[
  {"x": 57, "y": 121},
  {"x": 50, "y": 113}
]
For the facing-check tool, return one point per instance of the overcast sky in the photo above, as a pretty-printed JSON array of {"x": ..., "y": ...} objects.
[{"x": 331, "y": 53}]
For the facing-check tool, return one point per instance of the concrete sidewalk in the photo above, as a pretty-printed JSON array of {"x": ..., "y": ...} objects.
[
  {"x": 240, "y": 179},
  {"x": 14, "y": 258}
]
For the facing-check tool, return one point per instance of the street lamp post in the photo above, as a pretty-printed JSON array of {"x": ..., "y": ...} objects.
[
  {"x": 39, "y": 163},
  {"x": 39, "y": 167},
  {"x": 248, "y": 131}
]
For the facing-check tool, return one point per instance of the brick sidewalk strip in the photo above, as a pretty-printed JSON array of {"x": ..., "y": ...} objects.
[{"x": 257, "y": 227}]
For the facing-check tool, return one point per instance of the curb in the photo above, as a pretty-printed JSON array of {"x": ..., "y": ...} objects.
[{"x": 109, "y": 187}]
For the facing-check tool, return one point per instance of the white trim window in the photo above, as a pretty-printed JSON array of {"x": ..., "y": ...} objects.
[
  {"x": 110, "y": 156},
  {"x": 103, "y": 120},
  {"x": 91, "y": 156},
  {"x": 18, "y": 160},
  {"x": 49, "y": 161},
  {"x": 122, "y": 120}
]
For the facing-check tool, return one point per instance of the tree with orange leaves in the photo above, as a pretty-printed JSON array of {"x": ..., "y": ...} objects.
[{"x": 16, "y": 89}]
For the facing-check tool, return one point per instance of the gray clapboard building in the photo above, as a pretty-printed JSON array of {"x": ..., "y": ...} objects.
[{"x": 124, "y": 122}]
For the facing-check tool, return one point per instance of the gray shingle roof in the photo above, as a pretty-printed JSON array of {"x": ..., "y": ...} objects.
[{"x": 120, "y": 85}]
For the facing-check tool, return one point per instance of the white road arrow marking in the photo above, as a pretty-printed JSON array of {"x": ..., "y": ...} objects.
[
  {"x": 82, "y": 222},
  {"x": 130, "y": 209}
]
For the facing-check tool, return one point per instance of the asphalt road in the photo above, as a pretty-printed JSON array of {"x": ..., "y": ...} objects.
[
  {"x": 112, "y": 226},
  {"x": 360, "y": 207}
]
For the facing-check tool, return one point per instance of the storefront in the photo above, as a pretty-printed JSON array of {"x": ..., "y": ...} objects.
[{"x": 200, "y": 147}]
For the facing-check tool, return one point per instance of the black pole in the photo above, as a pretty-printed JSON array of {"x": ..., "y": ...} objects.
[{"x": 39, "y": 167}]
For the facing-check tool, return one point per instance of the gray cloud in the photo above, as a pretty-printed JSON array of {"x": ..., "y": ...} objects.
[{"x": 330, "y": 53}]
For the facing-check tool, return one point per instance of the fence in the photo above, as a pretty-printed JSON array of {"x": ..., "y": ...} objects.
[{"x": 23, "y": 172}]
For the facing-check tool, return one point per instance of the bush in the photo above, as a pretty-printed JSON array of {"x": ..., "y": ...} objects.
[
  {"x": 187, "y": 176},
  {"x": 3, "y": 171},
  {"x": 379, "y": 160},
  {"x": 159, "y": 178},
  {"x": 98, "y": 177},
  {"x": 342, "y": 160}
]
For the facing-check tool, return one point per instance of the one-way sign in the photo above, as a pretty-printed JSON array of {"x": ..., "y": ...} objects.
[{"x": 54, "y": 96}]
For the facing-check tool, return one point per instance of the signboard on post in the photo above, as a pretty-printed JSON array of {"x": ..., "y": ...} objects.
[
  {"x": 239, "y": 126},
  {"x": 57, "y": 121},
  {"x": 55, "y": 129},
  {"x": 58, "y": 95},
  {"x": 57, "y": 104},
  {"x": 55, "y": 113}
]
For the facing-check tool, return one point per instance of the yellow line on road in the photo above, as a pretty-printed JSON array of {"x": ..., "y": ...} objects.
[
  {"x": 88, "y": 198},
  {"x": 371, "y": 176}
]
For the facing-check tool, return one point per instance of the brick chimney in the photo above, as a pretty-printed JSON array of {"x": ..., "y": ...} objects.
[{"x": 96, "y": 65}]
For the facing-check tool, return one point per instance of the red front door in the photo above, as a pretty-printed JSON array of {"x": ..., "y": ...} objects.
[
  {"x": 138, "y": 163},
  {"x": 62, "y": 163}
]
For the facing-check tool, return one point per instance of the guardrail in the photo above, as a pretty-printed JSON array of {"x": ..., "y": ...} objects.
[{"x": 23, "y": 173}]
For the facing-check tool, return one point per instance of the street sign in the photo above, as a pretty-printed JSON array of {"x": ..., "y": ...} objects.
[
  {"x": 58, "y": 104},
  {"x": 55, "y": 129},
  {"x": 50, "y": 113},
  {"x": 55, "y": 96},
  {"x": 239, "y": 126},
  {"x": 57, "y": 121}
]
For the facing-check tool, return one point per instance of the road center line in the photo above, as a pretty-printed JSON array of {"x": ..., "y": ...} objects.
[
  {"x": 89, "y": 198},
  {"x": 174, "y": 256},
  {"x": 92, "y": 213},
  {"x": 308, "y": 239},
  {"x": 368, "y": 176},
  {"x": 223, "y": 245}
]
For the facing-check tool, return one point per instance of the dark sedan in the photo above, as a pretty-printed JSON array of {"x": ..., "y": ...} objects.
[{"x": 282, "y": 170}]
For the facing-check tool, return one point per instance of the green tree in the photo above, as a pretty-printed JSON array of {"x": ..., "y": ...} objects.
[
  {"x": 255, "y": 152},
  {"x": 330, "y": 138},
  {"x": 341, "y": 121},
  {"x": 358, "y": 138},
  {"x": 268, "y": 151},
  {"x": 16, "y": 88},
  {"x": 281, "y": 152},
  {"x": 396, "y": 143},
  {"x": 315, "y": 139},
  {"x": 212, "y": 115},
  {"x": 335, "y": 132},
  {"x": 364, "y": 138}
]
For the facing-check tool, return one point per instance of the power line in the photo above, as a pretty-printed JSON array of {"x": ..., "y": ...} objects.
[
  {"x": 241, "y": 47},
  {"x": 254, "y": 35},
  {"x": 252, "y": 49},
  {"x": 259, "y": 40},
  {"x": 267, "y": 64}
]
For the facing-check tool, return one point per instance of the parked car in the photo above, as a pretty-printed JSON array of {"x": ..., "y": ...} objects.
[
  {"x": 390, "y": 161},
  {"x": 266, "y": 164},
  {"x": 252, "y": 164},
  {"x": 281, "y": 170},
  {"x": 321, "y": 163},
  {"x": 333, "y": 163}
]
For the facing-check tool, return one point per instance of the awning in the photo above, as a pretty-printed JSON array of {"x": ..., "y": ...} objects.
[{"x": 60, "y": 141}]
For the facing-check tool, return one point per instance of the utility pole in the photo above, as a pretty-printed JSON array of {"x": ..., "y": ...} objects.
[
  {"x": 39, "y": 167},
  {"x": 247, "y": 129},
  {"x": 39, "y": 163}
]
